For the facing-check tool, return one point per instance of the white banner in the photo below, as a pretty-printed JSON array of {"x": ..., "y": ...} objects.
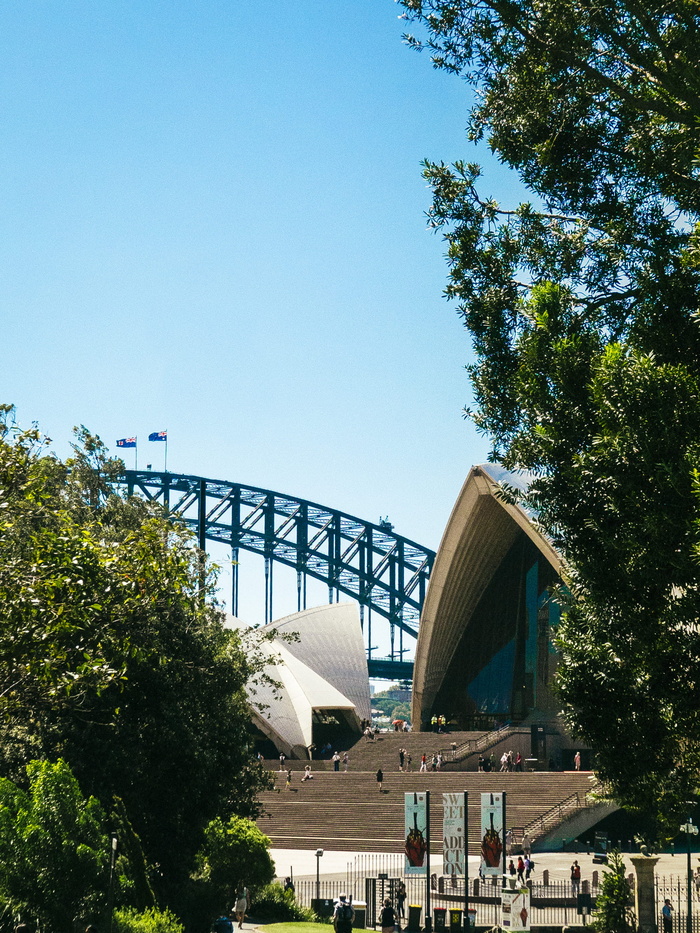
[
  {"x": 491, "y": 834},
  {"x": 515, "y": 909},
  {"x": 453, "y": 829},
  {"x": 416, "y": 844}
]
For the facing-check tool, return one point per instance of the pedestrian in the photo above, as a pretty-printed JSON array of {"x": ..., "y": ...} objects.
[
  {"x": 504, "y": 761},
  {"x": 482, "y": 762},
  {"x": 577, "y": 761},
  {"x": 439, "y": 761},
  {"x": 433, "y": 763},
  {"x": 518, "y": 762},
  {"x": 521, "y": 870},
  {"x": 575, "y": 877},
  {"x": 380, "y": 778},
  {"x": 242, "y": 904},
  {"x": 667, "y": 916},
  {"x": 387, "y": 918},
  {"x": 696, "y": 879},
  {"x": 423, "y": 763},
  {"x": 283, "y": 758},
  {"x": 336, "y": 761},
  {"x": 307, "y": 775},
  {"x": 401, "y": 899},
  {"x": 408, "y": 761},
  {"x": 289, "y": 884},
  {"x": 529, "y": 865},
  {"x": 527, "y": 844},
  {"x": 346, "y": 761},
  {"x": 402, "y": 755},
  {"x": 511, "y": 868},
  {"x": 509, "y": 841},
  {"x": 288, "y": 782},
  {"x": 343, "y": 915}
]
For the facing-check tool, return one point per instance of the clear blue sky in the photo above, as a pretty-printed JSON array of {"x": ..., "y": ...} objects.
[{"x": 213, "y": 221}]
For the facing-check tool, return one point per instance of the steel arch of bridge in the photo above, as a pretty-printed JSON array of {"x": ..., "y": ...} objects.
[{"x": 386, "y": 573}]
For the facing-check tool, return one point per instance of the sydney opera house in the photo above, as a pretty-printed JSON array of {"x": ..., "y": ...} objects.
[{"x": 484, "y": 654}]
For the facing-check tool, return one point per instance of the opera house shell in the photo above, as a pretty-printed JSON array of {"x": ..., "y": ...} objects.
[
  {"x": 484, "y": 654},
  {"x": 320, "y": 669}
]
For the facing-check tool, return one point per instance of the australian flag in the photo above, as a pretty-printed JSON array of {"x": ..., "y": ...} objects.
[
  {"x": 127, "y": 442},
  {"x": 158, "y": 436}
]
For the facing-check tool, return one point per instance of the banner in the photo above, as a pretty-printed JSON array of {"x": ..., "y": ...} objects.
[
  {"x": 453, "y": 829},
  {"x": 515, "y": 909},
  {"x": 491, "y": 834},
  {"x": 416, "y": 844}
]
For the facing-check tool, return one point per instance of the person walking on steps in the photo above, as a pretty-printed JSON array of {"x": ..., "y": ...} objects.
[{"x": 380, "y": 778}]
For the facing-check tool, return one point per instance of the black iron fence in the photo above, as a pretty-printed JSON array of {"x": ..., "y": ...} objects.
[
  {"x": 551, "y": 904},
  {"x": 675, "y": 888}
]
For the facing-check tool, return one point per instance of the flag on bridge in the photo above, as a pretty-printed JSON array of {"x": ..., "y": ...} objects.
[
  {"x": 126, "y": 442},
  {"x": 158, "y": 436}
]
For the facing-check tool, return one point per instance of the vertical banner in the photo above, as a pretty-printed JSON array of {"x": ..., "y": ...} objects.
[
  {"x": 491, "y": 833},
  {"x": 416, "y": 845},
  {"x": 453, "y": 834},
  {"x": 515, "y": 909}
]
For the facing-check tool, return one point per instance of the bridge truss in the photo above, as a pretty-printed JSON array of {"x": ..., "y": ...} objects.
[{"x": 385, "y": 573}]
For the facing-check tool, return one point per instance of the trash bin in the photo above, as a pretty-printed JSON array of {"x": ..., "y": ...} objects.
[
  {"x": 471, "y": 918},
  {"x": 360, "y": 921},
  {"x": 414, "y": 917},
  {"x": 440, "y": 916},
  {"x": 455, "y": 919}
]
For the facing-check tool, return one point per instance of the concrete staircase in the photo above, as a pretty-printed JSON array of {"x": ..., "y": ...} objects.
[{"x": 346, "y": 812}]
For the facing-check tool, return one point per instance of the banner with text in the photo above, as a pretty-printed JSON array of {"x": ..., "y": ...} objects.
[
  {"x": 453, "y": 834},
  {"x": 515, "y": 909},
  {"x": 491, "y": 834},
  {"x": 416, "y": 845}
]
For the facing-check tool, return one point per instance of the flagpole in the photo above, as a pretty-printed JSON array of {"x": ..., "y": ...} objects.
[
  {"x": 165, "y": 470},
  {"x": 136, "y": 454}
]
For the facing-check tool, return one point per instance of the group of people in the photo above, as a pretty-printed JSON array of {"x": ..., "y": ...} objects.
[
  {"x": 523, "y": 868},
  {"x": 337, "y": 759},
  {"x": 389, "y": 917},
  {"x": 438, "y": 723},
  {"x": 511, "y": 762}
]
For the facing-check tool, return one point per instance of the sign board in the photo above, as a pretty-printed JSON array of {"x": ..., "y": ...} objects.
[
  {"x": 453, "y": 830},
  {"x": 583, "y": 904},
  {"x": 416, "y": 841},
  {"x": 515, "y": 909},
  {"x": 492, "y": 834}
]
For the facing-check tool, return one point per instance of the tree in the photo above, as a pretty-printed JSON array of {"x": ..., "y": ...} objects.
[
  {"x": 113, "y": 656},
  {"x": 54, "y": 861},
  {"x": 614, "y": 913},
  {"x": 583, "y": 309},
  {"x": 235, "y": 854}
]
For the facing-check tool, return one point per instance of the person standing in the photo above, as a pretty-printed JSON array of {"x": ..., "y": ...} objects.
[
  {"x": 667, "y": 916},
  {"x": 408, "y": 761},
  {"x": 527, "y": 844},
  {"x": 288, "y": 782},
  {"x": 423, "y": 763},
  {"x": 401, "y": 899},
  {"x": 336, "y": 761},
  {"x": 380, "y": 778},
  {"x": 577, "y": 761},
  {"x": 346, "y": 761},
  {"x": 575, "y": 877},
  {"x": 283, "y": 758},
  {"x": 402, "y": 756},
  {"x": 521, "y": 870},
  {"x": 387, "y": 918}
]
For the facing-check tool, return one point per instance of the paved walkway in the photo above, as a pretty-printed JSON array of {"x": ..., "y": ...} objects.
[{"x": 301, "y": 863}]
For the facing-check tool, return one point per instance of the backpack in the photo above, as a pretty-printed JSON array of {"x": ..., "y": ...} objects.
[{"x": 343, "y": 915}]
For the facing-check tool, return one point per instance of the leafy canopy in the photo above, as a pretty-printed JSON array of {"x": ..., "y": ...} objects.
[{"x": 583, "y": 309}]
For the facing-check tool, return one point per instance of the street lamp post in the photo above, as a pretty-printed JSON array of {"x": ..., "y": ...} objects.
[
  {"x": 690, "y": 830},
  {"x": 319, "y": 853}
]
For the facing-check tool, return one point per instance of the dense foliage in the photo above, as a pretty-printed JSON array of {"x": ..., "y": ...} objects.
[
  {"x": 272, "y": 904},
  {"x": 113, "y": 655},
  {"x": 583, "y": 309},
  {"x": 614, "y": 912},
  {"x": 234, "y": 855}
]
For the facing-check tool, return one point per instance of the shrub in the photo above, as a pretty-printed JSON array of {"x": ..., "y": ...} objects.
[
  {"x": 152, "y": 920},
  {"x": 273, "y": 904}
]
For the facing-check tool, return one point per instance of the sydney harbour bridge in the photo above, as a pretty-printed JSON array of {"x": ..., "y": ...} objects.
[{"x": 385, "y": 573}]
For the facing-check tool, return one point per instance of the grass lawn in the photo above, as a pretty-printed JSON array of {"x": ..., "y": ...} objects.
[{"x": 297, "y": 928}]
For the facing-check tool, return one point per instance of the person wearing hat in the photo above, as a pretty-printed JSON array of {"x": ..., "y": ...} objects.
[{"x": 343, "y": 915}]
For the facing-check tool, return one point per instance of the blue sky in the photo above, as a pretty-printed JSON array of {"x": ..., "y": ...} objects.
[{"x": 213, "y": 221}]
